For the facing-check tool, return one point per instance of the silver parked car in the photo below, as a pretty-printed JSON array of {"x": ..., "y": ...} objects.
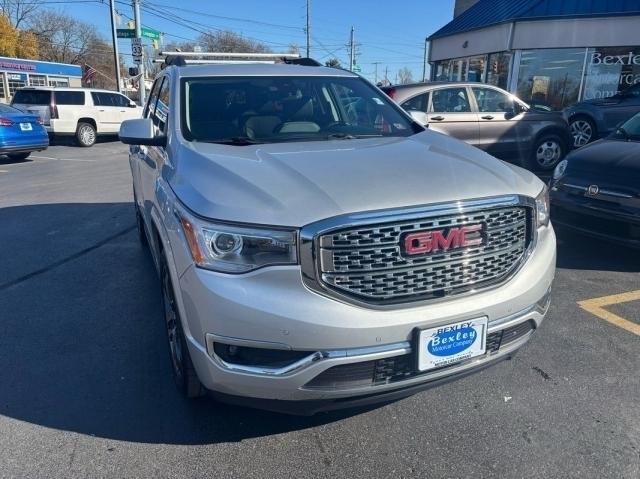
[
  {"x": 318, "y": 249},
  {"x": 490, "y": 118}
]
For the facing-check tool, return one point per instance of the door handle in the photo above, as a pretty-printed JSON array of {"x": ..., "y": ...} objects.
[
  {"x": 101, "y": 111},
  {"x": 487, "y": 117},
  {"x": 437, "y": 118}
]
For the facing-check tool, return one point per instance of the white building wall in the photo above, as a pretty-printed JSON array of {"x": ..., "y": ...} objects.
[{"x": 486, "y": 40}]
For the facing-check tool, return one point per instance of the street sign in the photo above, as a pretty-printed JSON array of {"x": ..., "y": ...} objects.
[
  {"x": 126, "y": 33},
  {"x": 357, "y": 68},
  {"x": 136, "y": 50},
  {"x": 150, "y": 33}
]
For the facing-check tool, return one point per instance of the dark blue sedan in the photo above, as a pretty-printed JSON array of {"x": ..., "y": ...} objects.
[{"x": 21, "y": 133}]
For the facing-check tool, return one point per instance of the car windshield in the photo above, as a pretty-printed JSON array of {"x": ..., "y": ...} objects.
[
  {"x": 246, "y": 110},
  {"x": 629, "y": 130}
]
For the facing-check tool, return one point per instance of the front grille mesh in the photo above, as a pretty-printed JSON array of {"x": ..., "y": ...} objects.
[{"x": 367, "y": 262}]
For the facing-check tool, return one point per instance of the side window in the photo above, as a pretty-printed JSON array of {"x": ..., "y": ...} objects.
[
  {"x": 417, "y": 103},
  {"x": 490, "y": 100},
  {"x": 153, "y": 97},
  {"x": 69, "y": 97},
  {"x": 450, "y": 100},
  {"x": 96, "y": 99},
  {"x": 162, "y": 107},
  {"x": 122, "y": 100}
]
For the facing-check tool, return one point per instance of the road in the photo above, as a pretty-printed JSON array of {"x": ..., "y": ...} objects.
[{"x": 85, "y": 386}]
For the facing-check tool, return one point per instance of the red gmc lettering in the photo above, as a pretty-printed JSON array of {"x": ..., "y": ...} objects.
[{"x": 431, "y": 241}]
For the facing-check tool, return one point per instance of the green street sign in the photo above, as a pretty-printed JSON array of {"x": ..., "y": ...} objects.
[
  {"x": 126, "y": 33},
  {"x": 357, "y": 69},
  {"x": 150, "y": 33}
]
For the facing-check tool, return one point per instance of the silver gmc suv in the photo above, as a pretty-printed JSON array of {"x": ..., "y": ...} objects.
[{"x": 319, "y": 249}]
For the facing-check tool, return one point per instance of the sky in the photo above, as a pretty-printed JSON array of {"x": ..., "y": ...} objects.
[{"x": 388, "y": 32}]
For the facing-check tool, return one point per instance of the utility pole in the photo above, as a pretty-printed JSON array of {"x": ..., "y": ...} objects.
[
  {"x": 308, "y": 30},
  {"x": 424, "y": 65},
  {"x": 386, "y": 76},
  {"x": 116, "y": 56},
  {"x": 376, "y": 74},
  {"x": 136, "y": 18},
  {"x": 352, "y": 50}
]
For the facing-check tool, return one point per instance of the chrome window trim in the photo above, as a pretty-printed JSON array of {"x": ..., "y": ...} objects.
[{"x": 309, "y": 234}]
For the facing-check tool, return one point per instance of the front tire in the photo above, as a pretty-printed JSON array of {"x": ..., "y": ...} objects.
[
  {"x": 86, "y": 134},
  {"x": 184, "y": 374},
  {"x": 583, "y": 130},
  {"x": 19, "y": 156},
  {"x": 547, "y": 152}
]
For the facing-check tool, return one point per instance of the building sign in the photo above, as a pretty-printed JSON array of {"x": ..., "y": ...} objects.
[
  {"x": 17, "y": 66},
  {"x": 45, "y": 68},
  {"x": 611, "y": 70}
]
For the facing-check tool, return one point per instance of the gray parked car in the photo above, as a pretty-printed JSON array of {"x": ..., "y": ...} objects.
[
  {"x": 597, "y": 118},
  {"x": 489, "y": 118},
  {"x": 318, "y": 249}
]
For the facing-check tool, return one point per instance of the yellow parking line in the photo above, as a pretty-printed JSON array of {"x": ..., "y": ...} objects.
[{"x": 596, "y": 306}]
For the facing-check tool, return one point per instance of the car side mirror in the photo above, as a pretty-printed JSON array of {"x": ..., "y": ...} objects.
[
  {"x": 419, "y": 117},
  {"x": 141, "y": 131},
  {"x": 132, "y": 104}
]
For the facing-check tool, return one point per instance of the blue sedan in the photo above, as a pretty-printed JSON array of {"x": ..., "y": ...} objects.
[{"x": 21, "y": 133}]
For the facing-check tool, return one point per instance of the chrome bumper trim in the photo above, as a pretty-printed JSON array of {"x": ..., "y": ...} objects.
[{"x": 353, "y": 354}]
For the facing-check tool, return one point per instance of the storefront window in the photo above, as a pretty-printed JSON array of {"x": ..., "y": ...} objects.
[
  {"x": 498, "y": 69},
  {"x": 442, "y": 70},
  {"x": 550, "y": 78},
  {"x": 610, "y": 70},
  {"x": 475, "y": 70},
  {"x": 58, "y": 81},
  {"x": 37, "y": 80},
  {"x": 16, "y": 80},
  {"x": 3, "y": 95}
]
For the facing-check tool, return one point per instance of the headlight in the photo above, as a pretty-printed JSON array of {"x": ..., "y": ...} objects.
[
  {"x": 560, "y": 169},
  {"x": 542, "y": 208},
  {"x": 236, "y": 249}
]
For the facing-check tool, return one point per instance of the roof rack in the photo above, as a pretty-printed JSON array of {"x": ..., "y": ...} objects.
[{"x": 195, "y": 58}]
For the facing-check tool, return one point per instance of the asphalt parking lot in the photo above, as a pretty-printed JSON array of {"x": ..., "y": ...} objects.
[{"x": 86, "y": 391}]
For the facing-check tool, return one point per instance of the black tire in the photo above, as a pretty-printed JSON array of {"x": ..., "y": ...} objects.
[
  {"x": 19, "y": 156},
  {"x": 184, "y": 374},
  {"x": 86, "y": 135},
  {"x": 547, "y": 152},
  {"x": 583, "y": 130}
]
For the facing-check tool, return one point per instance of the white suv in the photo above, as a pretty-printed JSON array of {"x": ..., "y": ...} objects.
[
  {"x": 82, "y": 112},
  {"x": 319, "y": 249}
]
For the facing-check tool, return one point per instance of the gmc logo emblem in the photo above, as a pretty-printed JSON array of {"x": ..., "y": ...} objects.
[{"x": 423, "y": 242}]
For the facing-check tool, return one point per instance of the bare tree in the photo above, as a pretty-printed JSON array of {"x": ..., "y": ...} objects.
[
  {"x": 405, "y": 76},
  {"x": 333, "y": 63},
  {"x": 230, "y": 42},
  {"x": 19, "y": 12},
  {"x": 62, "y": 38}
]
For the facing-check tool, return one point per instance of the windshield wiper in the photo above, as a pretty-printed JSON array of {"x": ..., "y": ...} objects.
[
  {"x": 236, "y": 140},
  {"x": 347, "y": 136},
  {"x": 624, "y": 133}
]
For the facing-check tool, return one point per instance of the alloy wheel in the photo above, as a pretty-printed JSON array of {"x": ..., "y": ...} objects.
[
  {"x": 87, "y": 135},
  {"x": 173, "y": 332},
  {"x": 582, "y": 131}
]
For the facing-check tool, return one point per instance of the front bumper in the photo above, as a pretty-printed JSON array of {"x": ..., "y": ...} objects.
[
  {"x": 596, "y": 218},
  {"x": 271, "y": 308}
]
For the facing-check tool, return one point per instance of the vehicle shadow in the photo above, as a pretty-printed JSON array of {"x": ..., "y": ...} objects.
[
  {"x": 576, "y": 251},
  {"x": 69, "y": 140},
  {"x": 83, "y": 344}
]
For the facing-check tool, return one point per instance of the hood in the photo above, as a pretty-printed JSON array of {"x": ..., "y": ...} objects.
[
  {"x": 294, "y": 184},
  {"x": 613, "y": 159}
]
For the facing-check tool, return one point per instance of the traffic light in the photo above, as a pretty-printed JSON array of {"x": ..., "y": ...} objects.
[{"x": 154, "y": 44}]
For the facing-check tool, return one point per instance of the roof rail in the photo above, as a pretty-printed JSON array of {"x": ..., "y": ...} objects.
[{"x": 194, "y": 58}]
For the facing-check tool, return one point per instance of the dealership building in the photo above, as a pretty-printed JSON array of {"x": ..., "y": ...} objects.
[
  {"x": 16, "y": 73},
  {"x": 548, "y": 52}
]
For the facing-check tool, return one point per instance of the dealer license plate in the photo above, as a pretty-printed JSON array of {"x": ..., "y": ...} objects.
[
  {"x": 450, "y": 344},
  {"x": 26, "y": 126}
]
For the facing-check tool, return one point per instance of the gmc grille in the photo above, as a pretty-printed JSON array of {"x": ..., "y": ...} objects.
[{"x": 367, "y": 262}]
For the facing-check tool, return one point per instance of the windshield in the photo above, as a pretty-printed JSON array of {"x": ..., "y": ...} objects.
[
  {"x": 629, "y": 130},
  {"x": 245, "y": 110}
]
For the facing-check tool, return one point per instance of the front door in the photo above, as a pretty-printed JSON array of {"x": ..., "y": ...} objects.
[{"x": 450, "y": 113}]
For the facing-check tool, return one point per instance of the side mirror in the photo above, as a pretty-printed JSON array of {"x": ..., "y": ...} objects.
[
  {"x": 132, "y": 104},
  {"x": 419, "y": 117},
  {"x": 140, "y": 131}
]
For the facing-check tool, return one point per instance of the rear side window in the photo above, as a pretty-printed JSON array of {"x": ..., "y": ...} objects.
[
  {"x": 417, "y": 103},
  {"x": 69, "y": 97},
  {"x": 162, "y": 107},
  {"x": 153, "y": 97},
  {"x": 450, "y": 100},
  {"x": 32, "y": 97}
]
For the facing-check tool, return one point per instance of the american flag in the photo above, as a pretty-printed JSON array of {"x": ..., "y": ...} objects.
[{"x": 88, "y": 73}]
